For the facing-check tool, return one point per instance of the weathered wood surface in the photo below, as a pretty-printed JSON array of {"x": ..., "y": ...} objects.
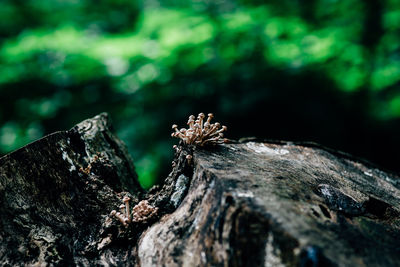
[
  {"x": 239, "y": 204},
  {"x": 51, "y": 212},
  {"x": 255, "y": 204}
]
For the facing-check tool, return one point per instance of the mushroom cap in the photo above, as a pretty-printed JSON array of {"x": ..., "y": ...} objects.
[
  {"x": 113, "y": 212},
  {"x": 210, "y": 115},
  {"x": 126, "y": 198},
  {"x": 201, "y": 115},
  {"x": 225, "y": 128},
  {"x": 174, "y": 126},
  {"x": 217, "y": 124}
]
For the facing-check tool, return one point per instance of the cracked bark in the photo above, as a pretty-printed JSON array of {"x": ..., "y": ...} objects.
[{"x": 242, "y": 204}]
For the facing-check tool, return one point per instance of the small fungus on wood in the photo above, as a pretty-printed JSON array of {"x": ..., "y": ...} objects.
[
  {"x": 142, "y": 212},
  {"x": 200, "y": 133}
]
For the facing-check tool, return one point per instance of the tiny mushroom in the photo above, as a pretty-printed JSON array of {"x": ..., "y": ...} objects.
[{"x": 126, "y": 200}]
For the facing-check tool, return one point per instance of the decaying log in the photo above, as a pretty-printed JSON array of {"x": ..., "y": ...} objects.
[
  {"x": 56, "y": 192},
  {"x": 239, "y": 204}
]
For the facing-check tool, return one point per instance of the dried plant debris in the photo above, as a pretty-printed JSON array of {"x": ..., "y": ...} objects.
[
  {"x": 200, "y": 132},
  {"x": 142, "y": 212}
]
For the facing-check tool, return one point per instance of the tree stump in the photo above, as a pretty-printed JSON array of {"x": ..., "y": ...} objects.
[{"x": 252, "y": 203}]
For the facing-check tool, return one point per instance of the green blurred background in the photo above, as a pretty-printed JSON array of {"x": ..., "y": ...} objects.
[{"x": 320, "y": 70}]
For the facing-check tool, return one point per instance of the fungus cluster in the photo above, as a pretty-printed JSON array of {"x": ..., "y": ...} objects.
[
  {"x": 200, "y": 132},
  {"x": 143, "y": 211},
  {"x": 140, "y": 213}
]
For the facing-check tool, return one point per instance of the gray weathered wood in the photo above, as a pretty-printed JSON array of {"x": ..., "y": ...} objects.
[
  {"x": 255, "y": 204},
  {"x": 238, "y": 204}
]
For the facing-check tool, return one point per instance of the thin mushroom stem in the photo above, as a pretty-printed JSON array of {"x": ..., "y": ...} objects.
[
  {"x": 127, "y": 213},
  {"x": 191, "y": 121},
  {"x": 201, "y": 117},
  {"x": 121, "y": 218},
  {"x": 224, "y": 128},
  {"x": 214, "y": 127}
]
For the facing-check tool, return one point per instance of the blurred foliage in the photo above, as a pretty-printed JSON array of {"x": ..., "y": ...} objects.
[{"x": 321, "y": 70}]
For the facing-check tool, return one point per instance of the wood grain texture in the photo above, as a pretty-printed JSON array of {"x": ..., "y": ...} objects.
[
  {"x": 264, "y": 204},
  {"x": 240, "y": 204}
]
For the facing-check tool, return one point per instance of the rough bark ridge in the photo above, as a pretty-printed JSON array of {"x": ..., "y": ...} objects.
[{"x": 244, "y": 204}]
